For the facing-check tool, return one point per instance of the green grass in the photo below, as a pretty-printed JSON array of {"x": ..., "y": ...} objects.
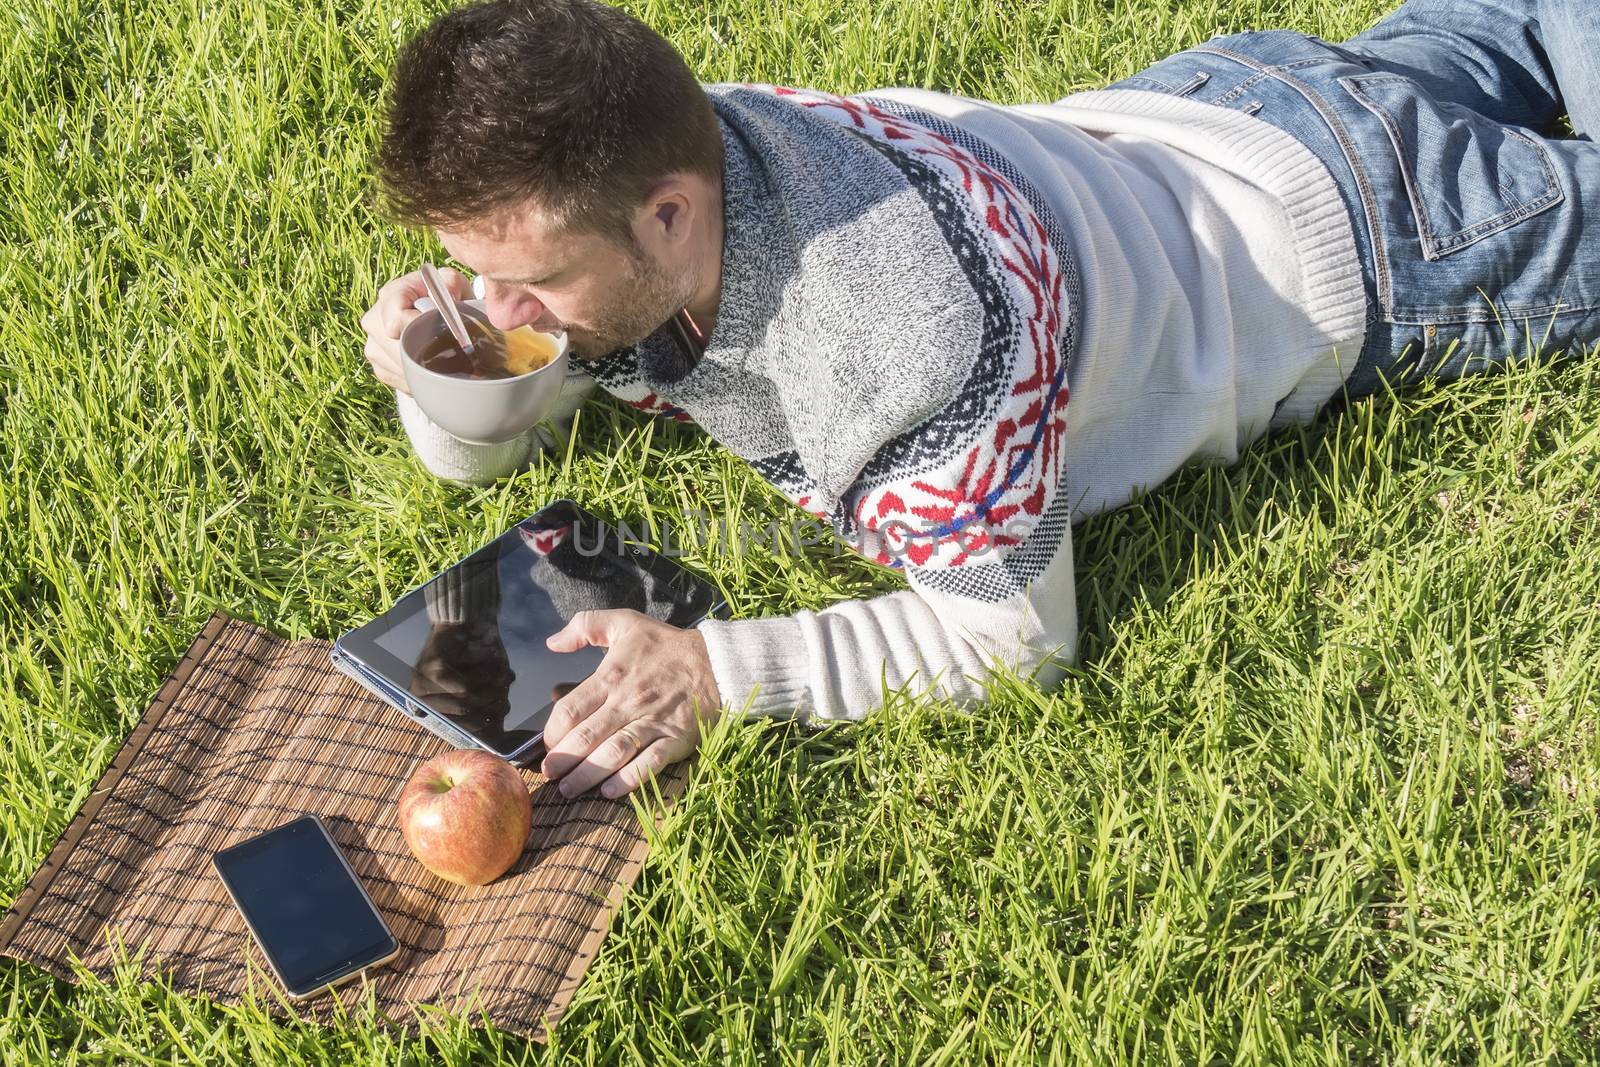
[{"x": 1324, "y": 789}]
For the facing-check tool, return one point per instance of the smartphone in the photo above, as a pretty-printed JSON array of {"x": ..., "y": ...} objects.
[{"x": 314, "y": 921}]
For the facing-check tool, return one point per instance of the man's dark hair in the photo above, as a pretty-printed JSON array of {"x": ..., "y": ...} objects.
[{"x": 572, "y": 104}]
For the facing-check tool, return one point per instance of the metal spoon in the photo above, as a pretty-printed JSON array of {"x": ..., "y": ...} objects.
[{"x": 447, "y": 306}]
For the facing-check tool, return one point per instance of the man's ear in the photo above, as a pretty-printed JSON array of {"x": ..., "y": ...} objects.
[{"x": 665, "y": 216}]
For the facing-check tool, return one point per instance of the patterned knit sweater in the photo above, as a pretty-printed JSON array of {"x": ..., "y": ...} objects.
[{"x": 905, "y": 312}]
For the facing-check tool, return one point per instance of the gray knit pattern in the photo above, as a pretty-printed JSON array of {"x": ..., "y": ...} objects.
[
  {"x": 840, "y": 297},
  {"x": 895, "y": 324}
]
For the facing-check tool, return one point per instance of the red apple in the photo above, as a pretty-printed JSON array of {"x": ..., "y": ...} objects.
[{"x": 466, "y": 816}]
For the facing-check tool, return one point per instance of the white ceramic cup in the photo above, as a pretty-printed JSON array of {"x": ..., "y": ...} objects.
[{"x": 480, "y": 411}]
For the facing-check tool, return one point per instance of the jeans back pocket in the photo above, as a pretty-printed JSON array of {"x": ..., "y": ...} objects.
[{"x": 1466, "y": 175}]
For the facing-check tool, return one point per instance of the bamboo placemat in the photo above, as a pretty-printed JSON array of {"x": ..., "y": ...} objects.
[{"x": 250, "y": 731}]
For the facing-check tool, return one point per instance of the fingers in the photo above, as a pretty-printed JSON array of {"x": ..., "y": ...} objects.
[
  {"x": 654, "y": 687},
  {"x": 626, "y": 753},
  {"x": 577, "y": 705},
  {"x": 597, "y": 628},
  {"x": 383, "y": 324},
  {"x": 595, "y": 749},
  {"x": 656, "y": 757},
  {"x": 385, "y": 363},
  {"x": 586, "y": 628},
  {"x": 392, "y": 312},
  {"x": 395, "y": 307}
]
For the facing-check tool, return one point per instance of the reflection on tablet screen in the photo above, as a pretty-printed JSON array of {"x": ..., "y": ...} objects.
[{"x": 474, "y": 637}]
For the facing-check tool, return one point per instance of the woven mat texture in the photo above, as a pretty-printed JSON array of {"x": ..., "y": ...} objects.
[{"x": 250, "y": 731}]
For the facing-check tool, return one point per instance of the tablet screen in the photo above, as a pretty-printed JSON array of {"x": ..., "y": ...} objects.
[{"x": 470, "y": 644}]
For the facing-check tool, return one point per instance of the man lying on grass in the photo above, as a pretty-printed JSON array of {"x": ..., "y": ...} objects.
[{"x": 896, "y": 293}]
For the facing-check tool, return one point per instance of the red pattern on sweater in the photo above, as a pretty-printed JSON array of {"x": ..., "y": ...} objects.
[{"x": 974, "y": 502}]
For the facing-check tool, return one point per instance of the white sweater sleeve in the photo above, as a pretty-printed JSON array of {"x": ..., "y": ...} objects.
[
  {"x": 449, "y": 457},
  {"x": 839, "y": 663}
]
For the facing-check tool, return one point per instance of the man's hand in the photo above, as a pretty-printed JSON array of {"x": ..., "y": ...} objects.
[
  {"x": 637, "y": 713},
  {"x": 392, "y": 312}
]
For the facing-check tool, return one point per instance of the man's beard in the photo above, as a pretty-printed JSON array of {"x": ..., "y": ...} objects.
[{"x": 647, "y": 296}]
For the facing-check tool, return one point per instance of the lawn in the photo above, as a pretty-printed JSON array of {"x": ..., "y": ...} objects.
[{"x": 1323, "y": 788}]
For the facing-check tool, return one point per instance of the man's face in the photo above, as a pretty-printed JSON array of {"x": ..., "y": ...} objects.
[{"x": 604, "y": 295}]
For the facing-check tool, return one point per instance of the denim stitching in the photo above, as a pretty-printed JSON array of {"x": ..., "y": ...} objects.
[
  {"x": 1310, "y": 61},
  {"x": 1478, "y": 231},
  {"x": 1478, "y": 313},
  {"x": 1239, "y": 90},
  {"x": 1418, "y": 208},
  {"x": 1380, "y": 258},
  {"x": 1434, "y": 246},
  {"x": 1141, "y": 80},
  {"x": 1529, "y": 208}
]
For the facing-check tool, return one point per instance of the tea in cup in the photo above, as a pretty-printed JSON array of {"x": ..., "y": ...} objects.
[
  {"x": 509, "y": 381},
  {"x": 494, "y": 356}
]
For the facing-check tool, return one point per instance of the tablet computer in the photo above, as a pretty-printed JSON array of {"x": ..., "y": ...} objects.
[{"x": 465, "y": 653}]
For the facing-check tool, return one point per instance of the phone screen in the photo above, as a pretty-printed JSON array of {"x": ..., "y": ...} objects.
[{"x": 307, "y": 911}]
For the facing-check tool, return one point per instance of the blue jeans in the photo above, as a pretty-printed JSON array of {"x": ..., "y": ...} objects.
[{"x": 1479, "y": 233}]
